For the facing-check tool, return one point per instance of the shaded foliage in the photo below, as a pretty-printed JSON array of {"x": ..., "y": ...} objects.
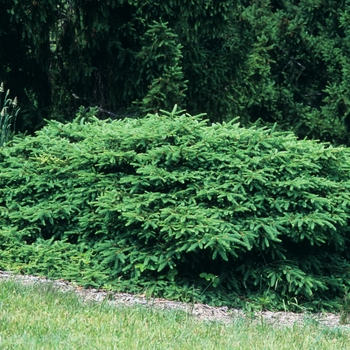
[{"x": 264, "y": 60}]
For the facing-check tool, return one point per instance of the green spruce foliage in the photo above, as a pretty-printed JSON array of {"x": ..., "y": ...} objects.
[{"x": 181, "y": 208}]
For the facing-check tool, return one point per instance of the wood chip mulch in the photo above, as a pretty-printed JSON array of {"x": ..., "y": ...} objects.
[{"x": 200, "y": 311}]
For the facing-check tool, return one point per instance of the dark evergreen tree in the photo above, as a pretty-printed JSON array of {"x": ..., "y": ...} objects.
[
  {"x": 298, "y": 69},
  {"x": 25, "y": 56},
  {"x": 284, "y": 61}
]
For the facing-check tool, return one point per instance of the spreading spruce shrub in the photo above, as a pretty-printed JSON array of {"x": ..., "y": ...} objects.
[{"x": 183, "y": 209}]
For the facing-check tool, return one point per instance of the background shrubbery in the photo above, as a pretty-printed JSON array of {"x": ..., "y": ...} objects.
[
  {"x": 285, "y": 61},
  {"x": 181, "y": 208}
]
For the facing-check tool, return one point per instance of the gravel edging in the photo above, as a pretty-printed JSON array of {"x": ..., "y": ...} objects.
[{"x": 200, "y": 311}]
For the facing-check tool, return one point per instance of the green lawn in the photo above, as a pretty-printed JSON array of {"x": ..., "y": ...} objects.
[{"x": 40, "y": 317}]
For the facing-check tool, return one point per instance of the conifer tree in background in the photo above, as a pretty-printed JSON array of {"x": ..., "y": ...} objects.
[
  {"x": 271, "y": 60},
  {"x": 25, "y": 57},
  {"x": 162, "y": 63},
  {"x": 122, "y": 58},
  {"x": 298, "y": 69}
]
